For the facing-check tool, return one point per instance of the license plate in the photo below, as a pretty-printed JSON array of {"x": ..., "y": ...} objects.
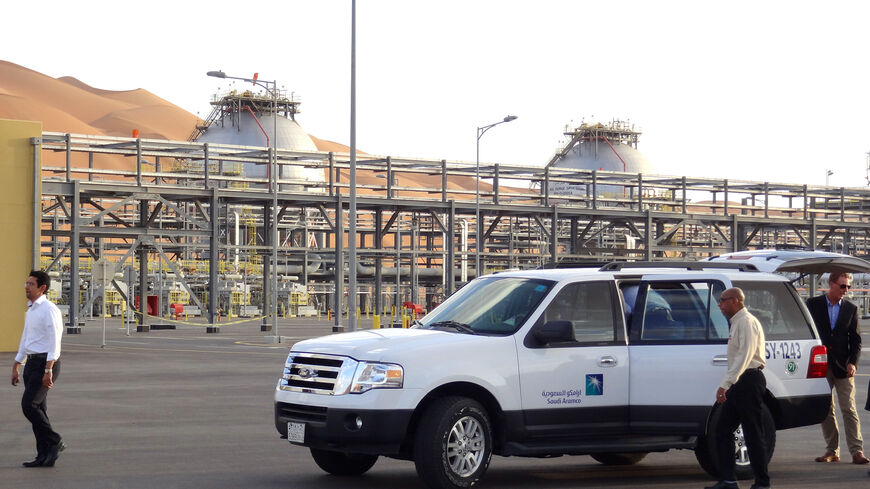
[{"x": 295, "y": 432}]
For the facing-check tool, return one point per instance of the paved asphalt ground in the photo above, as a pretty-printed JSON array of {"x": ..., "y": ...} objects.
[{"x": 183, "y": 409}]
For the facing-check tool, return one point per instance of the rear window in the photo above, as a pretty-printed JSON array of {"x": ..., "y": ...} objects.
[{"x": 778, "y": 308}]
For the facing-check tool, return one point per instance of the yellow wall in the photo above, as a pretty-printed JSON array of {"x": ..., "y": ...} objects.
[{"x": 16, "y": 225}]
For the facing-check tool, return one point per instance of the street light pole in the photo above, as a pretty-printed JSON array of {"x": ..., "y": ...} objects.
[
  {"x": 351, "y": 213},
  {"x": 480, "y": 132},
  {"x": 273, "y": 190}
]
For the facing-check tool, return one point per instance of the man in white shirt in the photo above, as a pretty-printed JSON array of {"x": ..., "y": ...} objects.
[
  {"x": 39, "y": 351},
  {"x": 741, "y": 394}
]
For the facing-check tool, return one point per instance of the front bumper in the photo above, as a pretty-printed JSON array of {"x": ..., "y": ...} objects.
[{"x": 381, "y": 433}]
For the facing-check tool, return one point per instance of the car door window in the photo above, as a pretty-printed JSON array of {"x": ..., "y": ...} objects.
[
  {"x": 776, "y": 306},
  {"x": 680, "y": 312},
  {"x": 589, "y": 307}
]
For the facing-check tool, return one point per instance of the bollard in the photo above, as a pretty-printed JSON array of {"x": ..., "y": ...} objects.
[{"x": 376, "y": 322}]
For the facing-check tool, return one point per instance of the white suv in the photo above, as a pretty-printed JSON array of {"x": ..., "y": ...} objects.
[{"x": 613, "y": 362}]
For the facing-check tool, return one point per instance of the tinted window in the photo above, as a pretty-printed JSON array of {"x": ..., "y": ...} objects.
[
  {"x": 777, "y": 307},
  {"x": 588, "y": 306},
  {"x": 680, "y": 312}
]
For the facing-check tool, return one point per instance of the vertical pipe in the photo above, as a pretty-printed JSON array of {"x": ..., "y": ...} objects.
[
  {"x": 351, "y": 214},
  {"x": 205, "y": 164},
  {"x": 725, "y": 197},
  {"x": 684, "y": 194},
  {"x": 75, "y": 236},
  {"x": 143, "y": 267},
  {"x": 379, "y": 260},
  {"x": 331, "y": 173},
  {"x": 650, "y": 234},
  {"x": 67, "y": 139},
  {"x": 339, "y": 263},
  {"x": 449, "y": 243},
  {"x": 495, "y": 185},
  {"x": 443, "y": 180},
  {"x": 554, "y": 235},
  {"x": 37, "y": 202},
  {"x": 138, "y": 162},
  {"x": 214, "y": 239},
  {"x": 267, "y": 269}
]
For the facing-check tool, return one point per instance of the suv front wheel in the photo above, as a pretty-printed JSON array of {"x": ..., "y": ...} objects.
[
  {"x": 453, "y": 445},
  {"x": 707, "y": 452}
]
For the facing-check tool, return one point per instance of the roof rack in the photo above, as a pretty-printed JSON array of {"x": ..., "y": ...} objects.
[
  {"x": 688, "y": 265},
  {"x": 573, "y": 264}
]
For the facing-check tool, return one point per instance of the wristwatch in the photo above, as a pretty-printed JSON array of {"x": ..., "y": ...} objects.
[{"x": 47, "y": 370}]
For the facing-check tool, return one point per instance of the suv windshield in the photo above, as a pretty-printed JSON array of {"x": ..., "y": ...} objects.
[{"x": 490, "y": 305}]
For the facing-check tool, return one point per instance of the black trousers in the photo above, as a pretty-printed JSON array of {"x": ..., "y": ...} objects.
[
  {"x": 743, "y": 406},
  {"x": 33, "y": 402}
]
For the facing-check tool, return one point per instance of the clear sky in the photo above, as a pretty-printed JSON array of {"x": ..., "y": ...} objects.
[{"x": 761, "y": 90}]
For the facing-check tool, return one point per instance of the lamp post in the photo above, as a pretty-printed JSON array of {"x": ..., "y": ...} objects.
[
  {"x": 273, "y": 189},
  {"x": 828, "y": 174},
  {"x": 480, "y": 132}
]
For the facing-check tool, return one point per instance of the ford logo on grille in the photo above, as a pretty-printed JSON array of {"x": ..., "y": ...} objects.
[{"x": 307, "y": 373}]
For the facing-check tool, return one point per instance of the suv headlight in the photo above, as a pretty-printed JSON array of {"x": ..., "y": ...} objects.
[{"x": 377, "y": 376}]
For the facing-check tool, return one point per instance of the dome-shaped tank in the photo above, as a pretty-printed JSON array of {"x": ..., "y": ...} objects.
[
  {"x": 605, "y": 147},
  {"x": 234, "y": 121}
]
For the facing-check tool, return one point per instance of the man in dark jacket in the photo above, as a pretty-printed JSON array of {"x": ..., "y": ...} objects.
[{"x": 837, "y": 322}]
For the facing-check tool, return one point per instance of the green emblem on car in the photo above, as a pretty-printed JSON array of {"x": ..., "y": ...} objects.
[{"x": 791, "y": 367}]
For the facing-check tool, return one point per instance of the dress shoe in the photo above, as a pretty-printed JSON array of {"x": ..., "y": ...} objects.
[
  {"x": 756, "y": 486},
  {"x": 37, "y": 462},
  {"x": 828, "y": 457},
  {"x": 860, "y": 459},
  {"x": 724, "y": 485},
  {"x": 51, "y": 455}
]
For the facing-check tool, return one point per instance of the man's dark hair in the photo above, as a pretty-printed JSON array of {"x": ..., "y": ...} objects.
[{"x": 42, "y": 278}]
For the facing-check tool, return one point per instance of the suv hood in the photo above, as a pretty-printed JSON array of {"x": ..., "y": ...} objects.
[
  {"x": 798, "y": 261},
  {"x": 377, "y": 344}
]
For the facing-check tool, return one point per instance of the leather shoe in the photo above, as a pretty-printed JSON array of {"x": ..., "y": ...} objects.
[
  {"x": 52, "y": 454},
  {"x": 37, "y": 462},
  {"x": 860, "y": 459},
  {"x": 756, "y": 486},
  {"x": 828, "y": 457},
  {"x": 724, "y": 485}
]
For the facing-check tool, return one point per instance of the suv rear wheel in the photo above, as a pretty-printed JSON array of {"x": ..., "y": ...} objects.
[
  {"x": 453, "y": 445},
  {"x": 706, "y": 451}
]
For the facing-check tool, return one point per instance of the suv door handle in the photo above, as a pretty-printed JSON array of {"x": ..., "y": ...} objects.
[
  {"x": 720, "y": 360},
  {"x": 607, "y": 361}
]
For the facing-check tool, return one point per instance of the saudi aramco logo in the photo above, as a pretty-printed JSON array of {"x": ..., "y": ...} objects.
[{"x": 594, "y": 384}]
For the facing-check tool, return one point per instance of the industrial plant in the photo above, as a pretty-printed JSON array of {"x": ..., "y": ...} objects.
[{"x": 249, "y": 219}]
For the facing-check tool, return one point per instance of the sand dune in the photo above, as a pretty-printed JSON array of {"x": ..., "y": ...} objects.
[{"x": 68, "y": 105}]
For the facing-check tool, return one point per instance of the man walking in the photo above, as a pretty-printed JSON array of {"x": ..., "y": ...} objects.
[
  {"x": 741, "y": 395},
  {"x": 837, "y": 322},
  {"x": 39, "y": 352}
]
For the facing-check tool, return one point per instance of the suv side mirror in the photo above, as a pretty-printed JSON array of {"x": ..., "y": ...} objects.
[{"x": 554, "y": 332}]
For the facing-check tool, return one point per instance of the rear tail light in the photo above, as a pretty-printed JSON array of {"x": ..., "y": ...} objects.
[{"x": 818, "y": 363}]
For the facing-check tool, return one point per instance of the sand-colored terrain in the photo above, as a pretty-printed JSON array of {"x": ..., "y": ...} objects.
[{"x": 68, "y": 105}]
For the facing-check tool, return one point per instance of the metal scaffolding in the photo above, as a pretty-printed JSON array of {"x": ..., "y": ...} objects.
[{"x": 180, "y": 218}]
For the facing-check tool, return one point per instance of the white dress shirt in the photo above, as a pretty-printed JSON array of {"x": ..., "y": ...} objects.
[
  {"x": 745, "y": 346},
  {"x": 43, "y": 327}
]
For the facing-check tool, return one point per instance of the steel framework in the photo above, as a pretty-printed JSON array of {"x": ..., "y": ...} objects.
[{"x": 173, "y": 212}]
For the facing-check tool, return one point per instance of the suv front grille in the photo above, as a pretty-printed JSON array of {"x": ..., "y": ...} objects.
[{"x": 316, "y": 373}]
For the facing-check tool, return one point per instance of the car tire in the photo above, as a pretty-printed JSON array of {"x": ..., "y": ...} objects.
[
  {"x": 453, "y": 445},
  {"x": 706, "y": 450},
  {"x": 340, "y": 463},
  {"x": 627, "y": 458}
]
